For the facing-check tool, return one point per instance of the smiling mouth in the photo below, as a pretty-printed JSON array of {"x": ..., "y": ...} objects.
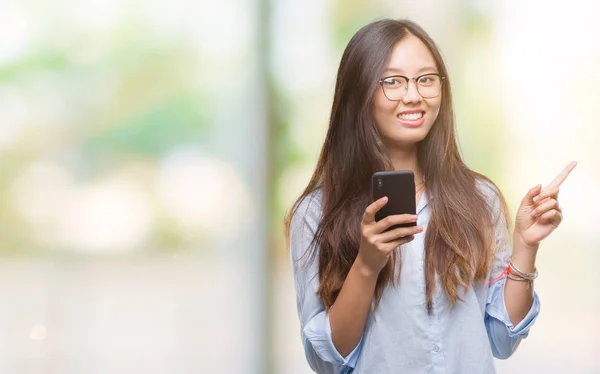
[{"x": 410, "y": 116}]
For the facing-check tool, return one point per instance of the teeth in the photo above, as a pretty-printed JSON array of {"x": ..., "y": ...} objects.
[{"x": 411, "y": 116}]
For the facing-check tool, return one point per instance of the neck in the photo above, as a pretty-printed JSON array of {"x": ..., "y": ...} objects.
[{"x": 406, "y": 159}]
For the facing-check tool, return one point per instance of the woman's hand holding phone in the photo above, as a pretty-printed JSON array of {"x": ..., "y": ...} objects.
[{"x": 377, "y": 245}]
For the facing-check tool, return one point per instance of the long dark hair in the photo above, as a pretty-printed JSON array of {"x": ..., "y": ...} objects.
[{"x": 458, "y": 250}]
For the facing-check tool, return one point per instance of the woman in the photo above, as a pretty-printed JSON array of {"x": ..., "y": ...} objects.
[{"x": 443, "y": 296}]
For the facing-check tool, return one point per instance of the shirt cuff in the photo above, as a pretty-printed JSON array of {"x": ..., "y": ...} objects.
[
  {"x": 318, "y": 332},
  {"x": 496, "y": 308}
]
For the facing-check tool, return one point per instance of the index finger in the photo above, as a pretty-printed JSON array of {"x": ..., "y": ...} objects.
[
  {"x": 374, "y": 208},
  {"x": 560, "y": 178}
]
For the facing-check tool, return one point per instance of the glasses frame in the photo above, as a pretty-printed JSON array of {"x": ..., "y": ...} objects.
[{"x": 408, "y": 79}]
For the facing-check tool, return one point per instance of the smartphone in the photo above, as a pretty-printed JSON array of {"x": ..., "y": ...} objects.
[{"x": 399, "y": 187}]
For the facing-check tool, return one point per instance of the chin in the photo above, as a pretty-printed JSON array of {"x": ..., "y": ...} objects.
[{"x": 404, "y": 139}]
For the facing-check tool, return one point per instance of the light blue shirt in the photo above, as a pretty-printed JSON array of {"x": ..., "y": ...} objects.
[{"x": 400, "y": 337}]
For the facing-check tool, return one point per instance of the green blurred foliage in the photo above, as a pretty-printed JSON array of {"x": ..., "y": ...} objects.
[{"x": 134, "y": 100}]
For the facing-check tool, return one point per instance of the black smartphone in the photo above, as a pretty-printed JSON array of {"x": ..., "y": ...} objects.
[{"x": 399, "y": 187}]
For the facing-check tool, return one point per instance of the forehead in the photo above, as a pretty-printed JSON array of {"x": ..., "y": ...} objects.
[{"x": 410, "y": 56}]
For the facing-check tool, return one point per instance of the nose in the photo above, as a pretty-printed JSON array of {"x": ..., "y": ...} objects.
[{"x": 412, "y": 94}]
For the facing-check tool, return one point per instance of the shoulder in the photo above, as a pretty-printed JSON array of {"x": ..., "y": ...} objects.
[
  {"x": 308, "y": 210},
  {"x": 487, "y": 188},
  {"x": 493, "y": 196},
  {"x": 306, "y": 216}
]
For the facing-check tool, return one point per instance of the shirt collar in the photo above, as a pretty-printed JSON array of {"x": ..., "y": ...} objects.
[{"x": 422, "y": 202}]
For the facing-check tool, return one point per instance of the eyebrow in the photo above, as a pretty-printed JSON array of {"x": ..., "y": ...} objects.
[{"x": 420, "y": 71}]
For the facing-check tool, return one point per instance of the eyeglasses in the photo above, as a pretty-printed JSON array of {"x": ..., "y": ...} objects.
[{"x": 395, "y": 87}]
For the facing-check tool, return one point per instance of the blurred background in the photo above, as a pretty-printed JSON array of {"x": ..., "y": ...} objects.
[{"x": 150, "y": 149}]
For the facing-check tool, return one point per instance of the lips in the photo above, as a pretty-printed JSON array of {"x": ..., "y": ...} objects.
[{"x": 411, "y": 118}]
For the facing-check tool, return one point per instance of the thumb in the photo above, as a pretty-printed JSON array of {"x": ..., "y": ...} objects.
[{"x": 533, "y": 192}]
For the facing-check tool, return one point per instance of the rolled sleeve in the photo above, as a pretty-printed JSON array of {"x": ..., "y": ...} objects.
[
  {"x": 505, "y": 337},
  {"x": 318, "y": 333}
]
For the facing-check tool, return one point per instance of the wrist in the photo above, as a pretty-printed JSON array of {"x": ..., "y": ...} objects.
[
  {"x": 524, "y": 255},
  {"x": 521, "y": 244},
  {"x": 364, "y": 269}
]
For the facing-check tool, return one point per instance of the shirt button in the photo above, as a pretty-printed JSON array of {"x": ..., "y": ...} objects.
[{"x": 436, "y": 349}]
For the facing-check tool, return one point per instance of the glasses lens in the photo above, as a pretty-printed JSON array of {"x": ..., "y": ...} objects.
[
  {"x": 394, "y": 88},
  {"x": 429, "y": 85}
]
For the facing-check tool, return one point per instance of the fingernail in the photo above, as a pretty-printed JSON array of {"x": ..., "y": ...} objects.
[
  {"x": 534, "y": 213},
  {"x": 536, "y": 198}
]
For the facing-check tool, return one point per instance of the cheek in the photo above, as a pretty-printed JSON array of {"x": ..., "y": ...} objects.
[
  {"x": 383, "y": 108},
  {"x": 435, "y": 109},
  {"x": 436, "y": 112}
]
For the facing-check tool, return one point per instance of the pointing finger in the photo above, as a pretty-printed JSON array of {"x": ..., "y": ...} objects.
[{"x": 560, "y": 178}]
